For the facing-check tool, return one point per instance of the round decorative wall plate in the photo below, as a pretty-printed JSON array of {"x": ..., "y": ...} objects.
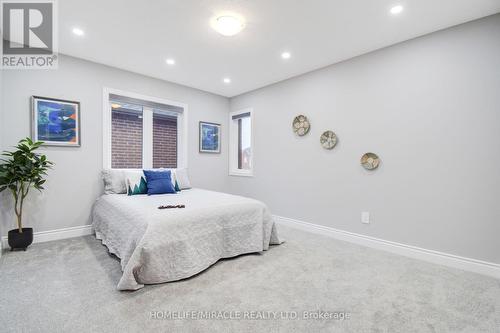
[
  {"x": 301, "y": 125},
  {"x": 328, "y": 140},
  {"x": 370, "y": 161}
]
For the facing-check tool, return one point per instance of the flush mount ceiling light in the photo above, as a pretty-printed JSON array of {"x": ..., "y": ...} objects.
[
  {"x": 228, "y": 25},
  {"x": 226, "y": 80},
  {"x": 286, "y": 55},
  {"x": 170, "y": 61},
  {"x": 78, "y": 31},
  {"x": 396, "y": 10}
]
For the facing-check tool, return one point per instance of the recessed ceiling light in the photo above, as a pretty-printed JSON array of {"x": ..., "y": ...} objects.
[
  {"x": 170, "y": 61},
  {"x": 396, "y": 10},
  {"x": 228, "y": 25},
  {"x": 78, "y": 32},
  {"x": 115, "y": 106},
  {"x": 226, "y": 80},
  {"x": 286, "y": 55}
]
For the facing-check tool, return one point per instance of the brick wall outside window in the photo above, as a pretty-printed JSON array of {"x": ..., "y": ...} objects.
[
  {"x": 126, "y": 140},
  {"x": 164, "y": 141}
]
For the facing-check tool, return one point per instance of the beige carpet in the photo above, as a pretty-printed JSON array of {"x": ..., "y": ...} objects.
[{"x": 69, "y": 286}]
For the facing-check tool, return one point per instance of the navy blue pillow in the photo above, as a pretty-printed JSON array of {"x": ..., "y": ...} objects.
[{"x": 159, "y": 182}]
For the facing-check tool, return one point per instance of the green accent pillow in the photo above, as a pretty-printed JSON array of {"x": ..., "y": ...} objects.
[
  {"x": 136, "y": 183},
  {"x": 174, "y": 180}
]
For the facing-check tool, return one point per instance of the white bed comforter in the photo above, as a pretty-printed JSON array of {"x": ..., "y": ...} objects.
[{"x": 160, "y": 245}]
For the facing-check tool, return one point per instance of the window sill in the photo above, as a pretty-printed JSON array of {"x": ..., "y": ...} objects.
[{"x": 241, "y": 173}]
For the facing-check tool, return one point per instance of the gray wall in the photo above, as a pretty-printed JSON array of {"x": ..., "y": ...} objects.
[
  {"x": 430, "y": 108},
  {"x": 2, "y": 231},
  {"x": 1, "y": 108},
  {"x": 75, "y": 182}
]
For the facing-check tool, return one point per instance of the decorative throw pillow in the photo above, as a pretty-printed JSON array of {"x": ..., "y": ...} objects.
[
  {"x": 172, "y": 176},
  {"x": 136, "y": 182},
  {"x": 182, "y": 178},
  {"x": 114, "y": 181},
  {"x": 174, "y": 180},
  {"x": 159, "y": 182}
]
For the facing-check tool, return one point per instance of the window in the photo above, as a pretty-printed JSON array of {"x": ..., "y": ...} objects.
[
  {"x": 126, "y": 136},
  {"x": 241, "y": 143},
  {"x": 142, "y": 132},
  {"x": 164, "y": 140}
]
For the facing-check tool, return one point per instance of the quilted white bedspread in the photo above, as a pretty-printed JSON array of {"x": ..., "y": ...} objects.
[{"x": 160, "y": 245}]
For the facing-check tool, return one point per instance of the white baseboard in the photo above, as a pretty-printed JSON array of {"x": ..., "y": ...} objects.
[
  {"x": 436, "y": 257},
  {"x": 446, "y": 259},
  {"x": 46, "y": 236}
]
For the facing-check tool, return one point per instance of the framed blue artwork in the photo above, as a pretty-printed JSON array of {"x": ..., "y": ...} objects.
[
  {"x": 209, "y": 137},
  {"x": 56, "y": 122}
]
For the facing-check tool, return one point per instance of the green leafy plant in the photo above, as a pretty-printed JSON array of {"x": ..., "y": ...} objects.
[{"x": 22, "y": 170}]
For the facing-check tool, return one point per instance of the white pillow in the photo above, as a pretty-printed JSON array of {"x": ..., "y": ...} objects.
[
  {"x": 182, "y": 178},
  {"x": 114, "y": 181}
]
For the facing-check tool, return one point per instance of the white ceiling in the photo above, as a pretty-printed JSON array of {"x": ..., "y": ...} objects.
[{"x": 139, "y": 35}]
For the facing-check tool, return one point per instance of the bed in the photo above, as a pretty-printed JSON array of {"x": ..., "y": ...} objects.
[{"x": 161, "y": 245}]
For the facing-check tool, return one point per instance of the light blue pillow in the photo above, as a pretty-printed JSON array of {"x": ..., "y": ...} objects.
[{"x": 159, "y": 182}]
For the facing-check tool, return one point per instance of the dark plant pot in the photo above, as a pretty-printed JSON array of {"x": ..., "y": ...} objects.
[{"x": 20, "y": 240}]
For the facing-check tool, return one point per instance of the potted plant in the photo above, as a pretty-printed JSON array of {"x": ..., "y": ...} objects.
[{"x": 19, "y": 172}]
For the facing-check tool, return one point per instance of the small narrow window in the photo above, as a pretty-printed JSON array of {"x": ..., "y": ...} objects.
[
  {"x": 241, "y": 150},
  {"x": 126, "y": 136},
  {"x": 164, "y": 140}
]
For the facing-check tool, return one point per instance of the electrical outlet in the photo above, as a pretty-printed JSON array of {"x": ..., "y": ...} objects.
[{"x": 365, "y": 217}]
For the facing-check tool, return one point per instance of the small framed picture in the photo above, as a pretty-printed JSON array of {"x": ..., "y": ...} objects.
[
  {"x": 56, "y": 122},
  {"x": 209, "y": 137}
]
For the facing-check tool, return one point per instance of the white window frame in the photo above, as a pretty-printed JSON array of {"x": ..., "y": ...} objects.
[
  {"x": 233, "y": 145},
  {"x": 147, "y": 125}
]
